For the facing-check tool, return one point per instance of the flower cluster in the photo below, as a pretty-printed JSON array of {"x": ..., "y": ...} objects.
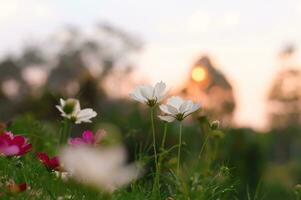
[
  {"x": 89, "y": 162},
  {"x": 175, "y": 109},
  {"x": 102, "y": 168}
]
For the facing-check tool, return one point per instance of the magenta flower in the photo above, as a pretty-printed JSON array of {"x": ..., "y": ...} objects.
[
  {"x": 11, "y": 145},
  {"x": 88, "y": 138},
  {"x": 49, "y": 163}
]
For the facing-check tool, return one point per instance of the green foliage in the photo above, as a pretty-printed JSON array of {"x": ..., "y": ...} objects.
[
  {"x": 215, "y": 165},
  {"x": 197, "y": 183}
]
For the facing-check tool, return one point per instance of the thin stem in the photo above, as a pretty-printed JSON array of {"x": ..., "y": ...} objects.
[
  {"x": 62, "y": 127},
  {"x": 68, "y": 130},
  {"x": 154, "y": 144},
  {"x": 157, "y": 179},
  {"x": 203, "y": 146},
  {"x": 64, "y": 131},
  {"x": 179, "y": 149},
  {"x": 164, "y": 136},
  {"x": 154, "y": 134}
]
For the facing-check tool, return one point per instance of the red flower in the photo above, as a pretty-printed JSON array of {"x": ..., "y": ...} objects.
[
  {"x": 16, "y": 188},
  {"x": 11, "y": 145},
  {"x": 50, "y": 164}
]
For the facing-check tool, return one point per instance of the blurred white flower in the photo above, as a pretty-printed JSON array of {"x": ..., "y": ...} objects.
[
  {"x": 104, "y": 169},
  {"x": 70, "y": 109},
  {"x": 177, "y": 109},
  {"x": 148, "y": 94}
]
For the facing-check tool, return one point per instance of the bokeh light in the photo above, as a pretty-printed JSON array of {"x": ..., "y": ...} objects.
[{"x": 199, "y": 74}]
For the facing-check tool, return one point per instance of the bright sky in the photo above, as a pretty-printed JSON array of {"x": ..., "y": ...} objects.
[{"x": 243, "y": 37}]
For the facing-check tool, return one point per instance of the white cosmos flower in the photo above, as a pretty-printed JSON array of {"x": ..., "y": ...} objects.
[
  {"x": 177, "y": 109},
  {"x": 148, "y": 94},
  {"x": 104, "y": 169},
  {"x": 70, "y": 109}
]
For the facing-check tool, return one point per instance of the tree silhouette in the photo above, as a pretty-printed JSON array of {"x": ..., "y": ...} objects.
[
  {"x": 211, "y": 88},
  {"x": 285, "y": 100},
  {"x": 76, "y": 64}
]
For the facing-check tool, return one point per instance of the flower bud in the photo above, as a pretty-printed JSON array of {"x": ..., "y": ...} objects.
[{"x": 214, "y": 124}]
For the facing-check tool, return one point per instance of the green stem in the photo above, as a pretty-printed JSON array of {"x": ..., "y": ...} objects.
[
  {"x": 203, "y": 146},
  {"x": 68, "y": 131},
  {"x": 179, "y": 149},
  {"x": 64, "y": 131},
  {"x": 157, "y": 179},
  {"x": 154, "y": 145},
  {"x": 154, "y": 134},
  {"x": 62, "y": 127},
  {"x": 164, "y": 136}
]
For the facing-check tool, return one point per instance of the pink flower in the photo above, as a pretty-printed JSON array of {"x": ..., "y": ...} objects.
[
  {"x": 50, "y": 164},
  {"x": 88, "y": 138},
  {"x": 11, "y": 145}
]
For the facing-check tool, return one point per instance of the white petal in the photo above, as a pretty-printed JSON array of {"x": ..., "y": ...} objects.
[
  {"x": 160, "y": 91},
  {"x": 172, "y": 110},
  {"x": 185, "y": 106},
  {"x": 164, "y": 109},
  {"x": 85, "y": 115},
  {"x": 87, "y": 112},
  {"x": 136, "y": 95},
  {"x": 166, "y": 118},
  {"x": 77, "y": 106},
  {"x": 194, "y": 107},
  {"x": 59, "y": 108},
  {"x": 62, "y": 102},
  {"x": 175, "y": 101},
  {"x": 147, "y": 92},
  {"x": 79, "y": 121}
]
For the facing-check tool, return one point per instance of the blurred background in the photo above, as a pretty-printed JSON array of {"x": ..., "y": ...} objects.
[{"x": 240, "y": 60}]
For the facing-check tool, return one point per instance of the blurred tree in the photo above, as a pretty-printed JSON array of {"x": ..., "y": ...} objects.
[
  {"x": 285, "y": 100},
  {"x": 285, "y": 95},
  {"x": 12, "y": 87},
  {"x": 32, "y": 55},
  {"x": 210, "y": 87},
  {"x": 284, "y": 107},
  {"x": 72, "y": 63}
]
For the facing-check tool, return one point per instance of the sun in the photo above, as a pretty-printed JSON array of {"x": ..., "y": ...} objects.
[{"x": 198, "y": 74}]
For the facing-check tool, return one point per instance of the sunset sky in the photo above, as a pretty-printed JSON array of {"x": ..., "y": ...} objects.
[{"x": 243, "y": 38}]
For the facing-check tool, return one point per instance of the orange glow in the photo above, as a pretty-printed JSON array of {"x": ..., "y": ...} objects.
[{"x": 199, "y": 74}]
